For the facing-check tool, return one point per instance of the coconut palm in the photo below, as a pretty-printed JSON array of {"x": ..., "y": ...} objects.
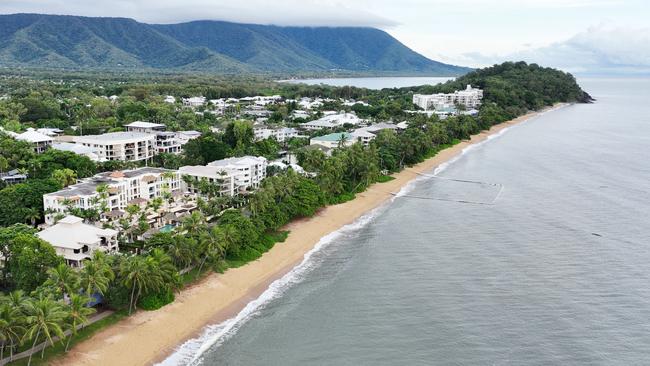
[
  {"x": 194, "y": 223},
  {"x": 32, "y": 215},
  {"x": 44, "y": 317},
  {"x": 138, "y": 277},
  {"x": 182, "y": 251},
  {"x": 65, "y": 177},
  {"x": 78, "y": 314},
  {"x": 63, "y": 279},
  {"x": 11, "y": 328},
  {"x": 96, "y": 276},
  {"x": 214, "y": 247}
]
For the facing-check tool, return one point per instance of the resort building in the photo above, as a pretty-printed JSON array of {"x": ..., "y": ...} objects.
[
  {"x": 333, "y": 121},
  {"x": 145, "y": 127},
  {"x": 212, "y": 174},
  {"x": 470, "y": 98},
  {"x": 86, "y": 151},
  {"x": 167, "y": 142},
  {"x": 280, "y": 134},
  {"x": 76, "y": 241},
  {"x": 39, "y": 141},
  {"x": 248, "y": 171},
  {"x": 126, "y": 146},
  {"x": 334, "y": 140},
  {"x": 112, "y": 191}
]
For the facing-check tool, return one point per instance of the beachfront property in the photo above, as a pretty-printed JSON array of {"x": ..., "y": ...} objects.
[
  {"x": 280, "y": 134},
  {"x": 78, "y": 149},
  {"x": 39, "y": 141},
  {"x": 76, "y": 242},
  {"x": 334, "y": 140},
  {"x": 232, "y": 175},
  {"x": 125, "y": 146},
  {"x": 470, "y": 98},
  {"x": 112, "y": 192}
]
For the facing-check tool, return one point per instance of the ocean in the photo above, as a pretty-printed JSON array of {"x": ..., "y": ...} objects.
[{"x": 556, "y": 271}]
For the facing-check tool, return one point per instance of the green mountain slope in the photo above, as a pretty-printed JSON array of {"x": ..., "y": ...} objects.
[{"x": 34, "y": 40}]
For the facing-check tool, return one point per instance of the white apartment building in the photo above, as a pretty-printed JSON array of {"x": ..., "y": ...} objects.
[
  {"x": 194, "y": 102},
  {"x": 39, "y": 141},
  {"x": 333, "y": 121},
  {"x": 145, "y": 127},
  {"x": 214, "y": 175},
  {"x": 470, "y": 98},
  {"x": 248, "y": 171},
  {"x": 76, "y": 241},
  {"x": 122, "y": 187},
  {"x": 127, "y": 146},
  {"x": 280, "y": 134}
]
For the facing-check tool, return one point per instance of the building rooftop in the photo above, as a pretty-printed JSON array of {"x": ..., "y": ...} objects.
[
  {"x": 243, "y": 160},
  {"x": 333, "y": 137},
  {"x": 33, "y": 136},
  {"x": 71, "y": 233},
  {"x": 117, "y": 136},
  {"x": 142, "y": 124}
]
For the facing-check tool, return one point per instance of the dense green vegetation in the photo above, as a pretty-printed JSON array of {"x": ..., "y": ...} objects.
[
  {"x": 224, "y": 232},
  {"x": 218, "y": 47}
]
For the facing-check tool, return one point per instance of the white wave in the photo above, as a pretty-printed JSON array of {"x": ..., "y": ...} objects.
[{"x": 190, "y": 352}]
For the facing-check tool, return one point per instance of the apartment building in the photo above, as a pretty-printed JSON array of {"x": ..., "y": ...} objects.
[
  {"x": 280, "y": 134},
  {"x": 126, "y": 146},
  {"x": 145, "y": 127},
  {"x": 121, "y": 188},
  {"x": 470, "y": 98}
]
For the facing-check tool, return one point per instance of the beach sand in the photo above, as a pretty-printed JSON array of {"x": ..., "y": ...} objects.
[{"x": 149, "y": 336}]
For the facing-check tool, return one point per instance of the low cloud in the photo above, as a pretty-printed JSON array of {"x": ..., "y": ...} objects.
[
  {"x": 288, "y": 12},
  {"x": 598, "y": 50}
]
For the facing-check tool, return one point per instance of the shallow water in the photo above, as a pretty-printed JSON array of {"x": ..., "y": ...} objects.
[{"x": 557, "y": 271}]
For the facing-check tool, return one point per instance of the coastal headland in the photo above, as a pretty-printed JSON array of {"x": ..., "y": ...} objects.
[{"x": 150, "y": 336}]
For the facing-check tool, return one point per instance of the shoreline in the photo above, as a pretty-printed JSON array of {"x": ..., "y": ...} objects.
[{"x": 148, "y": 337}]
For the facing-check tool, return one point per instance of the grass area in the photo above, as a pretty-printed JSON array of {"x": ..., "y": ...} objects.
[
  {"x": 385, "y": 178},
  {"x": 82, "y": 335}
]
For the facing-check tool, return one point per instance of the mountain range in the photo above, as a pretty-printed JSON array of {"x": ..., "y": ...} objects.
[{"x": 75, "y": 42}]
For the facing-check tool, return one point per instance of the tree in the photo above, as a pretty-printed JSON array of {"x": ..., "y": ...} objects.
[
  {"x": 96, "y": 275},
  {"x": 11, "y": 326},
  {"x": 78, "y": 314},
  {"x": 137, "y": 276},
  {"x": 182, "y": 251},
  {"x": 29, "y": 261},
  {"x": 64, "y": 177},
  {"x": 63, "y": 279},
  {"x": 44, "y": 316}
]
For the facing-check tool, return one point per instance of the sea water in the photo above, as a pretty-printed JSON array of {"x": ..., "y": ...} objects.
[{"x": 555, "y": 272}]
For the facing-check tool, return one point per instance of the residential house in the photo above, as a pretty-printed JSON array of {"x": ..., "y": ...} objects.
[{"x": 39, "y": 141}]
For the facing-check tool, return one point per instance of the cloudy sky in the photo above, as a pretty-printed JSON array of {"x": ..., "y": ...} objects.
[{"x": 577, "y": 35}]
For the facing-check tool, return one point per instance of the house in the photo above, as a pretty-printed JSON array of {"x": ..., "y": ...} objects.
[
  {"x": 126, "y": 146},
  {"x": 76, "y": 241},
  {"x": 145, "y": 127},
  {"x": 121, "y": 189},
  {"x": 13, "y": 177},
  {"x": 185, "y": 136},
  {"x": 52, "y": 132},
  {"x": 334, "y": 140},
  {"x": 86, "y": 151},
  {"x": 363, "y": 136},
  {"x": 39, "y": 141}
]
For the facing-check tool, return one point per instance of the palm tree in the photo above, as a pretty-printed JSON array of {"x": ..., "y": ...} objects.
[
  {"x": 78, "y": 314},
  {"x": 11, "y": 327},
  {"x": 194, "y": 223},
  {"x": 32, "y": 215},
  {"x": 44, "y": 316},
  {"x": 161, "y": 265},
  {"x": 182, "y": 251},
  {"x": 138, "y": 277},
  {"x": 214, "y": 245},
  {"x": 63, "y": 279},
  {"x": 96, "y": 276},
  {"x": 65, "y": 177}
]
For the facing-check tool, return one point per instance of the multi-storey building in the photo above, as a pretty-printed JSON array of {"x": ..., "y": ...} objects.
[
  {"x": 280, "y": 134},
  {"x": 127, "y": 146},
  {"x": 248, "y": 171},
  {"x": 76, "y": 242},
  {"x": 145, "y": 127},
  {"x": 470, "y": 98},
  {"x": 112, "y": 191}
]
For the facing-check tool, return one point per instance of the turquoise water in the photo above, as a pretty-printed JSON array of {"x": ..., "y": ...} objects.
[
  {"x": 167, "y": 228},
  {"x": 556, "y": 272}
]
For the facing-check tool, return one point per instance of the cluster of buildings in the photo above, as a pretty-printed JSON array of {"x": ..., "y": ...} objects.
[
  {"x": 470, "y": 98},
  {"x": 111, "y": 193},
  {"x": 361, "y": 135}
]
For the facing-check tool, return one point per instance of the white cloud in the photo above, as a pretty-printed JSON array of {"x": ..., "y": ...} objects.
[
  {"x": 286, "y": 12},
  {"x": 599, "y": 49}
]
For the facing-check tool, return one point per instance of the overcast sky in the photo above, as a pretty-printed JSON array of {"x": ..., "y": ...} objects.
[{"x": 578, "y": 35}]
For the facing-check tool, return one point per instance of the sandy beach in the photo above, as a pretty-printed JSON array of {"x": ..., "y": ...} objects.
[{"x": 148, "y": 337}]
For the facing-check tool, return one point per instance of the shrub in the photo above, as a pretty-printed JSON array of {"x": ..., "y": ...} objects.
[{"x": 156, "y": 300}]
